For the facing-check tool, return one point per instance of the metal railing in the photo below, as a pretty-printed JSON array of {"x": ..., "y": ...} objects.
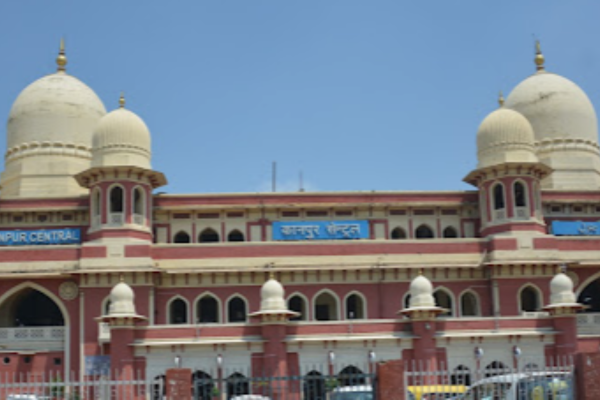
[
  {"x": 225, "y": 385},
  {"x": 588, "y": 324},
  {"x": 550, "y": 379},
  {"x": 139, "y": 219},
  {"x": 33, "y": 334},
  {"x": 116, "y": 219}
]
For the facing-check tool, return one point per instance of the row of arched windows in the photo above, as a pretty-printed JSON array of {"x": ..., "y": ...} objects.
[
  {"x": 209, "y": 235},
  {"x": 116, "y": 203},
  {"x": 423, "y": 232},
  {"x": 519, "y": 195},
  {"x": 325, "y": 306}
]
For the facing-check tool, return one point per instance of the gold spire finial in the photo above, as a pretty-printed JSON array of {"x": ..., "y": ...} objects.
[
  {"x": 122, "y": 100},
  {"x": 271, "y": 275},
  {"x": 539, "y": 57},
  {"x": 501, "y": 99},
  {"x": 61, "y": 60},
  {"x": 420, "y": 271}
]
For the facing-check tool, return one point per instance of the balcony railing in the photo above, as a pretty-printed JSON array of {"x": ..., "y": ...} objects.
[
  {"x": 139, "y": 219},
  {"x": 522, "y": 212},
  {"x": 103, "y": 332},
  {"x": 116, "y": 219},
  {"x": 96, "y": 220},
  {"x": 588, "y": 324},
  {"x": 33, "y": 334},
  {"x": 500, "y": 214}
]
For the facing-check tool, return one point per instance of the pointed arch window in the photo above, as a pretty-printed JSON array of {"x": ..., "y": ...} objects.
[
  {"x": 499, "y": 203},
  {"x": 116, "y": 200},
  {"x": 30, "y": 307},
  {"x": 326, "y": 307},
  {"x": 450, "y": 232},
  {"x": 398, "y": 233},
  {"x": 443, "y": 300},
  {"x": 237, "y": 385},
  {"x": 314, "y": 386},
  {"x": 207, "y": 310},
  {"x": 235, "y": 236},
  {"x": 181, "y": 237},
  {"x": 297, "y": 304},
  {"x": 236, "y": 310},
  {"x": 519, "y": 194},
  {"x": 138, "y": 206},
  {"x": 351, "y": 376},
  {"x": 529, "y": 299},
  {"x": 469, "y": 306},
  {"x": 209, "y": 235},
  {"x": 461, "y": 376},
  {"x": 178, "y": 312},
  {"x": 96, "y": 207},
  {"x": 424, "y": 232},
  {"x": 355, "y": 308}
]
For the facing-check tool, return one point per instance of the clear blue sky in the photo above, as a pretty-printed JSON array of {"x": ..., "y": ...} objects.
[{"x": 359, "y": 95}]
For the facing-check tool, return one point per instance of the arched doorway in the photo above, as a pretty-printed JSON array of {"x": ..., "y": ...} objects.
[
  {"x": 590, "y": 297},
  {"x": 30, "y": 307},
  {"x": 204, "y": 386},
  {"x": 35, "y": 316},
  {"x": 351, "y": 376},
  {"x": 314, "y": 386}
]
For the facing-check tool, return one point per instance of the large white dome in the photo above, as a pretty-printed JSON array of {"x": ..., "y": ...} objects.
[
  {"x": 49, "y": 137},
  {"x": 505, "y": 136},
  {"x": 121, "y": 138},
  {"x": 57, "y": 108},
  {"x": 556, "y": 108}
]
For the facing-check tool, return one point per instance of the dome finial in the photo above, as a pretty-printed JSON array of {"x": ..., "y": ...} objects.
[
  {"x": 539, "y": 57},
  {"x": 501, "y": 99},
  {"x": 122, "y": 100},
  {"x": 61, "y": 60}
]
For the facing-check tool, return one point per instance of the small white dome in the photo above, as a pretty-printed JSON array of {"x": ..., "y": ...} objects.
[
  {"x": 556, "y": 108},
  {"x": 561, "y": 290},
  {"x": 505, "y": 136},
  {"x": 122, "y": 300},
  {"x": 57, "y": 108},
  {"x": 272, "y": 296},
  {"x": 421, "y": 293},
  {"x": 121, "y": 138}
]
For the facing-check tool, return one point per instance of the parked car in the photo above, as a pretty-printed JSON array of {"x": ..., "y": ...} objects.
[
  {"x": 437, "y": 392},
  {"x": 523, "y": 386},
  {"x": 26, "y": 396},
  {"x": 250, "y": 397},
  {"x": 357, "y": 392}
]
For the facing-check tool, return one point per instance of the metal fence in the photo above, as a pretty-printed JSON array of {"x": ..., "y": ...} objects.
[
  {"x": 214, "y": 385},
  {"x": 522, "y": 380}
]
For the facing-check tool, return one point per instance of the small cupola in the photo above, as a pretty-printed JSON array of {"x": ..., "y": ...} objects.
[
  {"x": 122, "y": 301},
  {"x": 505, "y": 136},
  {"x": 121, "y": 138}
]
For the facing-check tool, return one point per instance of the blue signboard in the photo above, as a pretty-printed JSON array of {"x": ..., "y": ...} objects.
[
  {"x": 575, "y": 228},
  {"x": 97, "y": 365},
  {"x": 320, "y": 230},
  {"x": 40, "y": 237}
]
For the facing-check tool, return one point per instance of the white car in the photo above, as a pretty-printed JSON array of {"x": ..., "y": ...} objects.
[
  {"x": 250, "y": 397},
  {"x": 523, "y": 386},
  {"x": 358, "y": 392},
  {"x": 27, "y": 397}
]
